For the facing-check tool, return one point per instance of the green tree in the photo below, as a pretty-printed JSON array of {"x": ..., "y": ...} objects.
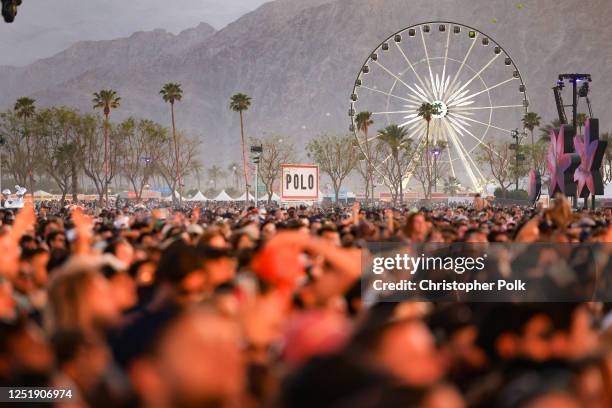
[
  {"x": 241, "y": 103},
  {"x": 171, "y": 93},
  {"x": 427, "y": 111},
  {"x": 546, "y": 129},
  {"x": 364, "y": 120},
  {"x": 25, "y": 109},
  {"x": 451, "y": 185},
  {"x": 59, "y": 152},
  {"x": 335, "y": 158},
  {"x": 20, "y": 158},
  {"x": 396, "y": 139},
  {"x": 106, "y": 100}
]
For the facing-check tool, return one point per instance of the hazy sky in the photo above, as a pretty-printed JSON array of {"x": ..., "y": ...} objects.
[{"x": 44, "y": 27}]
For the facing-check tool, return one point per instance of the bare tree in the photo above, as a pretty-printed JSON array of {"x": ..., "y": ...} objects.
[
  {"x": 143, "y": 142},
  {"x": 275, "y": 152},
  {"x": 500, "y": 160},
  {"x": 166, "y": 166},
  {"x": 397, "y": 159},
  {"x": 428, "y": 177},
  {"x": 93, "y": 131},
  {"x": 335, "y": 156}
]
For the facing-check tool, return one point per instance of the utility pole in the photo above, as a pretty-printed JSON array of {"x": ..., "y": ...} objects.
[
  {"x": 257, "y": 152},
  {"x": 515, "y": 146}
]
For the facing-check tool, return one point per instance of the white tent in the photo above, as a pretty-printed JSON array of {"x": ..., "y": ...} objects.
[
  {"x": 264, "y": 197},
  {"x": 242, "y": 197},
  {"x": 223, "y": 196},
  {"x": 41, "y": 193},
  {"x": 198, "y": 197}
]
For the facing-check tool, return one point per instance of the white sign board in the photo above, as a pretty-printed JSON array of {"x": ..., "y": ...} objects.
[{"x": 300, "y": 182}]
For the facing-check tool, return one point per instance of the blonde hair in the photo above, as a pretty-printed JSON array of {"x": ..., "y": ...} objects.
[{"x": 67, "y": 304}]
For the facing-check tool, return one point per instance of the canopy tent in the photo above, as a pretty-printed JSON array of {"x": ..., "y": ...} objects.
[
  {"x": 243, "y": 196},
  {"x": 264, "y": 197},
  {"x": 41, "y": 193},
  {"x": 198, "y": 197},
  {"x": 223, "y": 196}
]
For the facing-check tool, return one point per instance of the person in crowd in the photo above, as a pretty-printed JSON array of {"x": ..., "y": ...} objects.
[{"x": 225, "y": 306}]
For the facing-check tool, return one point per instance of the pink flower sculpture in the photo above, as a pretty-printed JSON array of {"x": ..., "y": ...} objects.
[
  {"x": 591, "y": 150},
  {"x": 561, "y": 164}
]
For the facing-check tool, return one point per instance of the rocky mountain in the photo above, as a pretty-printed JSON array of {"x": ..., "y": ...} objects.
[{"x": 298, "y": 60}]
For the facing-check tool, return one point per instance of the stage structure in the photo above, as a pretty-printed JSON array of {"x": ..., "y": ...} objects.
[
  {"x": 582, "y": 178},
  {"x": 476, "y": 85},
  {"x": 574, "y": 161}
]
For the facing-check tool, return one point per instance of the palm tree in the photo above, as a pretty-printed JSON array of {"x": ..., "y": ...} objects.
[
  {"x": 545, "y": 130},
  {"x": 24, "y": 110},
  {"x": 106, "y": 100},
  {"x": 240, "y": 103},
  {"x": 581, "y": 119},
  {"x": 427, "y": 111},
  {"x": 395, "y": 136},
  {"x": 531, "y": 120},
  {"x": 364, "y": 121},
  {"x": 171, "y": 93}
]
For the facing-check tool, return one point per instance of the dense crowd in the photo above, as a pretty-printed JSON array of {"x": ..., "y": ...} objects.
[{"x": 230, "y": 307}]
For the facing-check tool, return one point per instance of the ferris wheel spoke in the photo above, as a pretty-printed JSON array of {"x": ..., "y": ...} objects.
[
  {"x": 481, "y": 123},
  {"x": 388, "y": 71},
  {"x": 469, "y": 156},
  {"x": 460, "y": 128},
  {"x": 480, "y": 142},
  {"x": 386, "y": 93},
  {"x": 431, "y": 78},
  {"x": 420, "y": 93},
  {"x": 443, "y": 88},
  {"x": 476, "y": 75},
  {"x": 462, "y": 157},
  {"x": 450, "y": 160},
  {"x": 411, "y": 67},
  {"x": 466, "y": 159},
  {"x": 467, "y": 55},
  {"x": 393, "y": 112},
  {"x": 409, "y": 121},
  {"x": 472, "y": 108},
  {"x": 415, "y": 131},
  {"x": 471, "y": 96},
  {"x": 468, "y": 153},
  {"x": 444, "y": 133}
]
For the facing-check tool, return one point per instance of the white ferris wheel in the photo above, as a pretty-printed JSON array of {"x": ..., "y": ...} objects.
[{"x": 476, "y": 85}]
